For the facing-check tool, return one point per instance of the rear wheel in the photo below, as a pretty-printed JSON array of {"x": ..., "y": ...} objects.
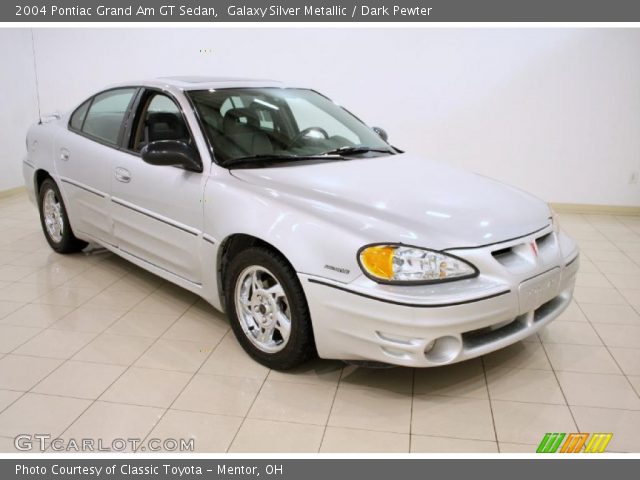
[
  {"x": 268, "y": 310},
  {"x": 55, "y": 221}
]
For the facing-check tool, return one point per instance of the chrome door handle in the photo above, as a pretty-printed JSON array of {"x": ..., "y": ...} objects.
[
  {"x": 64, "y": 154},
  {"x": 123, "y": 175}
]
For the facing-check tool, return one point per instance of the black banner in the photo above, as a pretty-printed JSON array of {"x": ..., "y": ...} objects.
[
  {"x": 317, "y": 469},
  {"x": 319, "y": 11}
]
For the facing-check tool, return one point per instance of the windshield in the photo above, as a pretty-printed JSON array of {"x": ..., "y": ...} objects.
[{"x": 266, "y": 124}]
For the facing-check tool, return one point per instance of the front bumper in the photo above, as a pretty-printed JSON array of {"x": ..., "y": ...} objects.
[{"x": 519, "y": 291}]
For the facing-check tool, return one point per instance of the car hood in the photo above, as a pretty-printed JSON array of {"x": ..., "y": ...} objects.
[{"x": 406, "y": 198}]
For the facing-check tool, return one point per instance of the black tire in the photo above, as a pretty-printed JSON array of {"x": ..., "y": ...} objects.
[
  {"x": 68, "y": 243},
  {"x": 300, "y": 346}
]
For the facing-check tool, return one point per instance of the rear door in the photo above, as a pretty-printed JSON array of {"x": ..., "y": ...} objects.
[{"x": 83, "y": 158}]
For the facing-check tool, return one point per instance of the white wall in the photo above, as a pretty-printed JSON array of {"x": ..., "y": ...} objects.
[
  {"x": 18, "y": 102},
  {"x": 554, "y": 111}
]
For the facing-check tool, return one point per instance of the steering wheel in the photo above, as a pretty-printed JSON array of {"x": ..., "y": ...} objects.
[{"x": 305, "y": 132}]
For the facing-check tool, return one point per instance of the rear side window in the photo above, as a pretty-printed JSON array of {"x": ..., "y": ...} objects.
[
  {"x": 104, "y": 118},
  {"x": 77, "y": 118}
]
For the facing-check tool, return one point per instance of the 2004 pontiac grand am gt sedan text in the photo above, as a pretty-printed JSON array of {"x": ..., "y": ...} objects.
[{"x": 307, "y": 227}]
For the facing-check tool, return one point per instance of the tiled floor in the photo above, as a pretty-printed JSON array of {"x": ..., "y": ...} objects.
[{"x": 91, "y": 346}]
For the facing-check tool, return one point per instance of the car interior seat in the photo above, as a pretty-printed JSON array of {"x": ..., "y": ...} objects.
[
  {"x": 242, "y": 127},
  {"x": 165, "y": 126}
]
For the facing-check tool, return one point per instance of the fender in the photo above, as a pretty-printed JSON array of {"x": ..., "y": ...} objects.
[{"x": 299, "y": 228}]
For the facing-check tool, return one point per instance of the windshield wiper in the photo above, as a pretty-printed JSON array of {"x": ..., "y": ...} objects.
[
  {"x": 269, "y": 159},
  {"x": 357, "y": 149}
]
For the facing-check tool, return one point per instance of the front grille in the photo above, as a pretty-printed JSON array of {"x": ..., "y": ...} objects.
[
  {"x": 482, "y": 336},
  {"x": 502, "y": 254},
  {"x": 486, "y": 335},
  {"x": 517, "y": 256},
  {"x": 545, "y": 309},
  {"x": 508, "y": 257},
  {"x": 545, "y": 241}
]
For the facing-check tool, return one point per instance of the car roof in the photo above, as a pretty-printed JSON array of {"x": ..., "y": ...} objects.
[{"x": 203, "y": 83}]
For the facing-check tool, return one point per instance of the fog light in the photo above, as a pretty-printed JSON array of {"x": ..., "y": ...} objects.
[
  {"x": 429, "y": 346},
  {"x": 443, "y": 349}
]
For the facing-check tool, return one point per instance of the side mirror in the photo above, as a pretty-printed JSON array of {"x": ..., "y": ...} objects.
[
  {"x": 172, "y": 153},
  {"x": 382, "y": 133}
]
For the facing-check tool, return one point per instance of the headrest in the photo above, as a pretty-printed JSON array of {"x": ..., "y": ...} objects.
[
  {"x": 233, "y": 120},
  {"x": 162, "y": 117},
  {"x": 166, "y": 126}
]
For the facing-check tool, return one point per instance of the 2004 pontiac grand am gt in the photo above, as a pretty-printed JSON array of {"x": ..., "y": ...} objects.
[{"x": 314, "y": 234}]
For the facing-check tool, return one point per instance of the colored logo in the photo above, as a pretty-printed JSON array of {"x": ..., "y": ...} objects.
[
  {"x": 574, "y": 442},
  {"x": 534, "y": 247}
]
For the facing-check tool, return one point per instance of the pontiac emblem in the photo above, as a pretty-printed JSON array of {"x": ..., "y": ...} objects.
[{"x": 534, "y": 248}]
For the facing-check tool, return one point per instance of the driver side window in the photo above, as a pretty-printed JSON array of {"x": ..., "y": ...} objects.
[{"x": 159, "y": 118}]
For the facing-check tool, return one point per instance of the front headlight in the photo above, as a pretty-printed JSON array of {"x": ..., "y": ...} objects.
[{"x": 394, "y": 263}]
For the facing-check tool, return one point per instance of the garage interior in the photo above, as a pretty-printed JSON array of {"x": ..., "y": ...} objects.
[{"x": 93, "y": 347}]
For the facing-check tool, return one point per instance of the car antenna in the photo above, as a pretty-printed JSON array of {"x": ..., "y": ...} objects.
[{"x": 35, "y": 74}]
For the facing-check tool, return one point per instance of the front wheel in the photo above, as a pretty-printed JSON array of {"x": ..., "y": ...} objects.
[
  {"x": 55, "y": 221},
  {"x": 268, "y": 310}
]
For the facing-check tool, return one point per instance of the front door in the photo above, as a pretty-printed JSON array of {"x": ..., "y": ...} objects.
[{"x": 157, "y": 210}]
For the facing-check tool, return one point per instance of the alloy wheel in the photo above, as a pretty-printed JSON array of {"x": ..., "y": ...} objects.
[
  {"x": 263, "y": 309},
  {"x": 53, "y": 218}
]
